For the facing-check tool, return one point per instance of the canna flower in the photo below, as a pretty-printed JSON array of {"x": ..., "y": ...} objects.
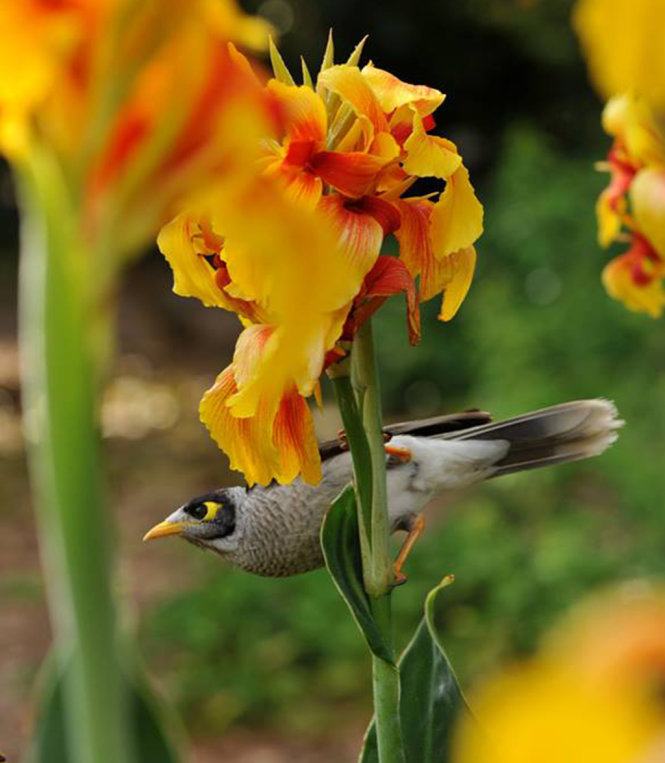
[
  {"x": 344, "y": 151},
  {"x": 588, "y": 696},
  {"x": 130, "y": 100},
  {"x": 632, "y": 207},
  {"x": 623, "y": 43}
]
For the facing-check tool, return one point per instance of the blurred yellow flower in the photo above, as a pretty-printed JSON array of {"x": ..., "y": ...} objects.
[
  {"x": 589, "y": 696},
  {"x": 128, "y": 97},
  {"x": 298, "y": 257},
  {"x": 632, "y": 207},
  {"x": 624, "y": 44}
]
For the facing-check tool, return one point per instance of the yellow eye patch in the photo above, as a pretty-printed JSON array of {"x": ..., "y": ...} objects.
[{"x": 212, "y": 509}]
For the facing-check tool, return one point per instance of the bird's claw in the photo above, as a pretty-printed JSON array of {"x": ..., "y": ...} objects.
[{"x": 399, "y": 579}]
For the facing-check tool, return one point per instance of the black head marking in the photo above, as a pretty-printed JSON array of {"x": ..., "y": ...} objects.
[{"x": 216, "y": 511}]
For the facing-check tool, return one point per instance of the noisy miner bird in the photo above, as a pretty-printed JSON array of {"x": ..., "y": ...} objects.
[{"x": 274, "y": 530}]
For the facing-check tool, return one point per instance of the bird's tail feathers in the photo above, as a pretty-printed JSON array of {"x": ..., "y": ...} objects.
[{"x": 562, "y": 433}]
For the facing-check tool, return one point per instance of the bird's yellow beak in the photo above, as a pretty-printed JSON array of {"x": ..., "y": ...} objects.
[{"x": 165, "y": 528}]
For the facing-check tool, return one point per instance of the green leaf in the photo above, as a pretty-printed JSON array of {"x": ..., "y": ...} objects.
[
  {"x": 279, "y": 68},
  {"x": 341, "y": 549},
  {"x": 354, "y": 58},
  {"x": 431, "y": 699},
  {"x": 328, "y": 53},
  {"x": 306, "y": 76},
  {"x": 151, "y": 743}
]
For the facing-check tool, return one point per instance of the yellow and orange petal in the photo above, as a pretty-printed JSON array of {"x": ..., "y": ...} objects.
[
  {"x": 360, "y": 234},
  {"x": 392, "y": 93},
  {"x": 195, "y": 253},
  {"x": 429, "y": 155},
  {"x": 451, "y": 274},
  {"x": 271, "y": 445},
  {"x": 457, "y": 218},
  {"x": 637, "y": 282}
]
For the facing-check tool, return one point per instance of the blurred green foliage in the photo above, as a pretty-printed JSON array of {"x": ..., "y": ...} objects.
[{"x": 537, "y": 329}]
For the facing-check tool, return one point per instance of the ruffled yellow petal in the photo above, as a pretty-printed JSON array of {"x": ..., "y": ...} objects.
[
  {"x": 183, "y": 243},
  {"x": 429, "y": 155},
  {"x": 460, "y": 269},
  {"x": 451, "y": 274},
  {"x": 647, "y": 196},
  {"x": 457, "y": 218},
  {"x": 290, "y": 261},
  {"x": 624, "y": 47},
  {"x": 278, "y": 441},
  {"x": 295, "y": 440},
  {"x": 392, "y": 93}
]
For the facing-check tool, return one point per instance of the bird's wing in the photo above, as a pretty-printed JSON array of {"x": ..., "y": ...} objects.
[{"x": 432, "y": 427}]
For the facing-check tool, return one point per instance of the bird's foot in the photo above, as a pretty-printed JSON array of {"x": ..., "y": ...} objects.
[
  {"x": 415, "y": 528},
  {"x": 401, "y": 454}
]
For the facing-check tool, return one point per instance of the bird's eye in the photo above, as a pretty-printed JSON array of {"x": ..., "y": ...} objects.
[{"x": 198, "y": 511}]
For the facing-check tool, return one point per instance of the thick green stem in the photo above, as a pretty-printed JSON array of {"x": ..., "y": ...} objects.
[
  {"x": 379, "y": 577},
  {"x": 362, "y": 459},
  {"x": 359, "y": 401},
  {"x": 59, "y": 388},
  {"x": 386, "y": 689}
]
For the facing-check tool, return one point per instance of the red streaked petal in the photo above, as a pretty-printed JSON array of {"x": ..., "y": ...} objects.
[
  {"x": 384, "y": 212},
  {"x": 451, "y": 274},
  {"x": 270, "y": 445},
  {"x": 353, "y": 174},
  {"x": 301, "y": 184},
  {"x": 636, "y": 282},
  {"x": 388, "y": 276},
  {"x": 295, "y": 440},
  {"x": 302, "y": 110},
  {"x": 360, "y": 234}
]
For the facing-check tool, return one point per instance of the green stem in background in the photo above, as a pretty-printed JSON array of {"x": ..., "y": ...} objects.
[{"x": 60, "y": 393}]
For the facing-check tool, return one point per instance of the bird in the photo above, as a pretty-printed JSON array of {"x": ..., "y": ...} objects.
[{"x": 273, "y": 530}]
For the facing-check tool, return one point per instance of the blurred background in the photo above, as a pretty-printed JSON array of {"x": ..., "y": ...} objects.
[{"x": 537, "y": 329}]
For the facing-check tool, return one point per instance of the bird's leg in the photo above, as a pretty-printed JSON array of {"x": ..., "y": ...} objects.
[{"x": 415, "y": 530}]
